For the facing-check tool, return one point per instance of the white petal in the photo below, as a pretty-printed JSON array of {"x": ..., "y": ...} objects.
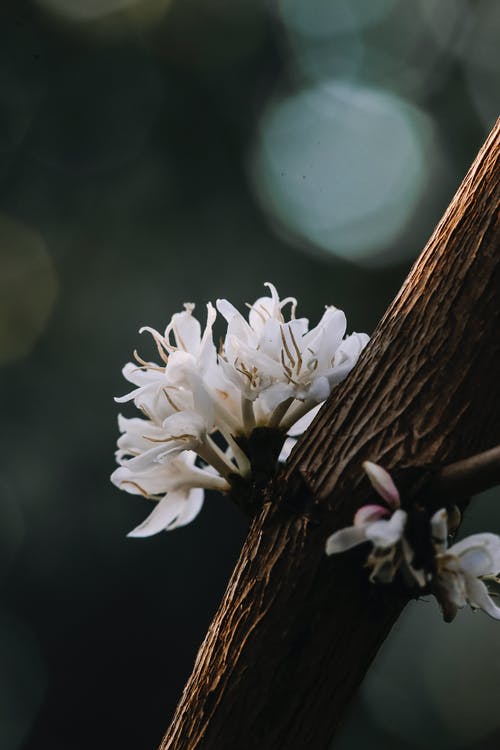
[
  {"x": 234, "y": 319},
  {"x": 490, "y": 542},
  {"x": 476, "y": 561},
  {"x": 152, "y": 482},
  {"x": 369, "y": 514},
  {"x": 351, "y": 347},
  {"x": 382, "y": 483},
  {"x": 304, "y": 422},
  {"x": 439, "y": 529},
  {"x": 192, "y": 507},
  {"x": 207, "y": 356},
  {"x": 326, "y": 337},
  {"x": 202, "y": 401},
  {"x": 478, "y": 595},
  {"x": 163, "y": 515},
  {"x": 186, "y": 330},
  {"x": 287, "y": 448},
  {"x": 344, "y": 539},
  {"x": 385, "y": 534},
  {"x": 319, "y": 389},
  {"x": 185, "y": 424},
  {"x": 261, "y": 312},
  {"x": 160, "y": 454},
  {"x": 275, "y": 394}
]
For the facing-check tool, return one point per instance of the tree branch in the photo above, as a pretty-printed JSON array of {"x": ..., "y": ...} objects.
[
  {"x": 465, "y": 478},
  {"x": 296, "y": 631}
]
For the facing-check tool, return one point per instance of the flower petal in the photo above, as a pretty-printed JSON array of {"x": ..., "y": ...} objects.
[
  {"x": 491, "y": 542},
  {"x": 167, "y": 510},
  {"x": 385, "y": 534},
  {"x": 304, "y": 422},
  {"x": 478, "y": 596},
  {"x": 192, "y": 507},
  {"x": 369, "y": 514},
  {"x": 344, "y": 539},
  {"x": 439, "y": 529},
  {"x": 476, "y": 561},
  {"x": 288, "y": 445},
  {"x": 382, "y": 483},
  {"x": 186, "y": 330}
]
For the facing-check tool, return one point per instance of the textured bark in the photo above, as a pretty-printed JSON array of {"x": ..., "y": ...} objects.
[{"x": 296, "y": 631}]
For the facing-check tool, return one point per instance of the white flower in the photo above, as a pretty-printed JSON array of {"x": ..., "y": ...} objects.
[
  {"x": 463, "y": 572},
  {"x": 383, "y": 526},
  {"x": 281, "y": 367},
  {"x": 177, "y": 487},
  {"x": 200, "y": 408}
]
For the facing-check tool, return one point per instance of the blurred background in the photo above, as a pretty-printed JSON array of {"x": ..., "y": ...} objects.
[{"x": 154, "y": 152}]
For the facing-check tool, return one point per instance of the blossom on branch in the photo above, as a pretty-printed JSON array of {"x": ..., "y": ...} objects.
[
  {"x": 202, "y": 408},
  {"x": 384, "y": 527},
  {"x": 465, "y": 573}
]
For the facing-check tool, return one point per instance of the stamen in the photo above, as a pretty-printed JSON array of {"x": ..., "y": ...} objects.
[
  {"x": 184, "y": 436},
  {"x": 141, "y": 489},
  {"x": 145, "y": 364},
  {"x": 297, "y": 350},
  {"x": 252, "y": 307},
  {"x": 170, "y": 399},
  {"x": 285, "y": 345},
  {"x": 178, "y": 339},
  {"x": 288, "y": 370}
]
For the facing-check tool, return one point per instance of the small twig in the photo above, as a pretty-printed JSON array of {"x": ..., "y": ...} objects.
[{"x": 470, "y": 476}]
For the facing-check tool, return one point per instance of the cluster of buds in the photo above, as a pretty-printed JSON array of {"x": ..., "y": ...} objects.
[
  {"x": 464, "y": 573},
  {"x": 201, "y": 406}
]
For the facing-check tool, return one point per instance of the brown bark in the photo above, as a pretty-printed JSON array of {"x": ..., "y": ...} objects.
[
  {"x": 296, "y": 631},
  {"x": 469, "y": 476}
]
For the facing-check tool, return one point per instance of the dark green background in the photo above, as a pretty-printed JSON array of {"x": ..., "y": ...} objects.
[{"x": 124, "y": 153}]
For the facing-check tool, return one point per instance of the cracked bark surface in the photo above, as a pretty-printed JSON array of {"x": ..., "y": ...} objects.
[{"x": 296, "y": 631}]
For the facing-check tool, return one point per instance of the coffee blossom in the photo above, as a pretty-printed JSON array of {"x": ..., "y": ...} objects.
[
  {"x": 383, "y": 526},
  {"x": 202, "y": 407},
  {"x": 465, "y": 573}
]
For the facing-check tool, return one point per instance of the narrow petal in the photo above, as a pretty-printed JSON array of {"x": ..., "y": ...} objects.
[
  {"x": 163, "y": 515},
  {"x": 344, "y": 539},
  {"x": 186, "y": 330},
  {"x": 439, "y": 529},
  {"x": 192, "y": 507},
  {"x": 303, "y": 423},
  {"x": 157, "y": 455},
  {"x": 261, "y": 312},
  {"x": 369, "y": 514},
  {"x": 288, "y": 445},
  {"x": 382, "y": 483},
  {"x": 478, "y": 596}
]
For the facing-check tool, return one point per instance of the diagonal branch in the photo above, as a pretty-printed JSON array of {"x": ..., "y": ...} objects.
[
  {"x": 296, "y": 631},
  {"x": 469, "y": 476}
]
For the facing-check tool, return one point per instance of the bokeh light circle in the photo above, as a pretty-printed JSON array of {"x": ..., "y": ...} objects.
[
  {"x": 342, "y": 166},
  {"x": 321, "y": 18}
]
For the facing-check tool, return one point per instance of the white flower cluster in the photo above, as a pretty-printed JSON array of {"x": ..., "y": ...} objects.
[
  {"x": 200, "y": 406},
  {"x": 456, "y": 575}
]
